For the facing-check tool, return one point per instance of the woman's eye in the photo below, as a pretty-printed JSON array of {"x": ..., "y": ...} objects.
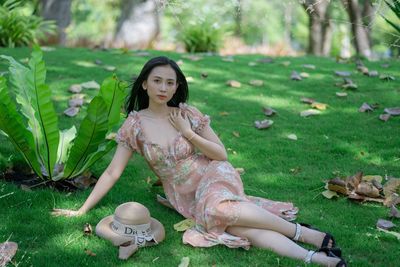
[
  {"x": 156, "y": 80},
  {"x": 171, "y": 83}
]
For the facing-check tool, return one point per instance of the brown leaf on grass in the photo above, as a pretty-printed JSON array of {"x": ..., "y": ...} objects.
[
  {"x": 320, "y": 106},
  {"x": 365, "y": 107},
  {"x": 307, "y": 100},
  {"x": 384, "y": 117},
  {"x": 392, "y": 111},
  {"x": 304, "y": 75},
  {"x": 25, "y": 188},
  {"x": 353, "y": 181},
  {"x": 329, "y": 194},
  {"x": 354, "y": 196},
  {"x": 204, "y": 75},
  {"x": 264, "y": 124},
  {"x": 224, "y": 113},
  {"x": 84, "y": 181},
  {"x": 363, "y": 69},
  {"x": 392, "y": 200},
  {"x": 397, "y": 235},
  {"x": 386, "y": 77},
  {"x": 295, "y": 76},
  {"x": 367, "y": 189},
  {"x": 309, "y": 66},
  {"x": 391, "y": 186},
  {"x": 76, "y": 102},
  {"x": 71, "y": 112},
  {"x": 7, "y": 252},
  {"x": 394, "y": 212},
  {"x": 377, "y": 185},
  {"x": 337, "y": 185},
  {"x": 350, "y": 86},
  {"x": 233, "y": 83},
  {"x": 90, "y": 85},
  {"x": 75, "y": 88},
  {"x": 257, "y": 83},
  {"x": 295, "y": 171},
  {"x": 292, "y": 137},
  {"x": 341, "y": 94},
  {"x": 385, "y": 224},
  {"x": 236, "y": 134},
  {"x": 310, "y": 112},
  {"x": 90, "y": 253},
  {"x": 184, "y": 225},
  {"x": 87, "y": 229},
  {"x": 269, "y": 111},
  {"x": 342, "y": 73}
]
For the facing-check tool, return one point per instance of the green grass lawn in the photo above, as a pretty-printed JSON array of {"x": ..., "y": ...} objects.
[{"x": 339, "y": 140}]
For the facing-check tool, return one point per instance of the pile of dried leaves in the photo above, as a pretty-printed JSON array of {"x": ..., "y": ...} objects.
[{"x": 365, "y": 188}]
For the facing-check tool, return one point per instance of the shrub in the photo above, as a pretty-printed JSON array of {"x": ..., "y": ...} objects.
[
  {"x": 19, "y": 29},
  {"x": 202, "y": 37},
  {"x": 31, "y": 124}
]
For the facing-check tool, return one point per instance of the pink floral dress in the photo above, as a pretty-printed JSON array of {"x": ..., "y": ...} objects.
[{"x": 195, "y": 185}]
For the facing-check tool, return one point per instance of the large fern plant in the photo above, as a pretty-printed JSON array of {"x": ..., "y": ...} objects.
[
  {"x": 20, "y": 29},
  {"x": 28, "y": 119}
]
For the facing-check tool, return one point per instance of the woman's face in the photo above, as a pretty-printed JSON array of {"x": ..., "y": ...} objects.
[{"x": 161, "y": 84}]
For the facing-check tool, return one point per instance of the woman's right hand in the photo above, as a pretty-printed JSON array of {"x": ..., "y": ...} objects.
[{"x": 66, "y": 213}]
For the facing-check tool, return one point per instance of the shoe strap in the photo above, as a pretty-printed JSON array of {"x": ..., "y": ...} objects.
[
  {"x": 310, "y": 253},
  {"x": 298, "y": 232}
]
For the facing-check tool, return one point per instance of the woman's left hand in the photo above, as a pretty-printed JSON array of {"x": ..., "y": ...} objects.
[{"x": 180, "y": 122}]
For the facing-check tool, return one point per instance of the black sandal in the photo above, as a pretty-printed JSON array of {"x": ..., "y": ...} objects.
[{"x": 331, "y": 253}]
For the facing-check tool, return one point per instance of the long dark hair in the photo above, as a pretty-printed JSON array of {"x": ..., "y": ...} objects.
[{"x": 138, "y": 98}]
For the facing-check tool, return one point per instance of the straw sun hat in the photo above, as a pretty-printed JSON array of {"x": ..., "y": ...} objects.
[{"x": 132, "y": 225}]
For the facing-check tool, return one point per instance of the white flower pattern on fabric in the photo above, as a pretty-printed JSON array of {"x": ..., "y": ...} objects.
[{"x": 195, "y": 185}]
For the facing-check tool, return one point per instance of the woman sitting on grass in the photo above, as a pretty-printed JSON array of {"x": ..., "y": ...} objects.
[{"x": 184, "y": 152}]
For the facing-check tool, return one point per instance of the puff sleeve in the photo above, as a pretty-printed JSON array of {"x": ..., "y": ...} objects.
[
  {"x": 127, "y": 134},
  {"x": 197, "y": 119}
]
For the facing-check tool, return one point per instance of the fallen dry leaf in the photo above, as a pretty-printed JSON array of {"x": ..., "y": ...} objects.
[
  {"x": 384, "y": 117},
  {"x": 304, "y": 75},
  {"x": 329, "y": 194},
  {"x": 354, "y": 196},
  {"x": 184, "y": 262},
  {"x": 204, "y": 75},
  {"x": 148, "y": 180},
  {"x": 75, "y": 102},
  {"x": 353, "y": 181},
  {"x": 78, "y": 96},
  {"x": 256, "y": 83},
  {"x": 224, "y": 113},
  {"x": 365, "y": 107},
  {"x": 320, "y": 106},
  {"x": 307, "y": 100},
  {"x": 89, "y": 252},
  {"x": 392, "y": 111},
  {"x": 292, "y": 137},
  {"x": 240, "y": 170},
  {"x": 7, "y": 252},
  {"x": 269, "y": 111},
  {"x": 310, "y": 112},
  {"x": 110, "y": 68},
  {"x": 372, "y": 73},
  {"x": 370, "y": 178},
  {"x": 341, "y": 94},
  {"x": 87, "y": 229},
  {"x": 385, "y": 224},
  {"x": 309, "y": 66},
  {"x": 342, "y": 73},
  {"x": 397, "y": 235},
  {"x": 367, "y": 189},
  {"x": 233, "y": 83},
  {"x": 394, "y": 212},
  {"x": 236, "y": 134},
  {"x": 189, "y": 79},
  {"x": 337, "y": 185},
  {"x": 386, "y": 77},
  {"x": 391, "y": 200},
  {"x": 75, "y": 88},
  {"x": 252, "y": 64},
  {"x": 84, "y": 181},
  {"x": 295, "y": 76},
  {"x": 264, "y": 124},
  {"x": 90, "y": 85},
  {"x": 392, "y": 186},
  {"x": 285, "y": 63},
  {"x": 71, "y": 112},
  {"x": 363, "y": 69}
]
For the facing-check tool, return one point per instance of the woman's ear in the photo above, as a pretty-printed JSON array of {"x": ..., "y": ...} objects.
[{"x": 144, "y": 85}]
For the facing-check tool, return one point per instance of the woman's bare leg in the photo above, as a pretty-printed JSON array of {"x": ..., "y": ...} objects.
[
  {"x": 280, "y": 244},
  {"x": 253, "y": 216}
]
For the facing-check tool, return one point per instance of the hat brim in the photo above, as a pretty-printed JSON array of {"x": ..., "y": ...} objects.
[{"x": 103, "y": 229}]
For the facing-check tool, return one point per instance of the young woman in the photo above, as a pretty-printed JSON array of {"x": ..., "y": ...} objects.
[{"x": 189, "y": 158}]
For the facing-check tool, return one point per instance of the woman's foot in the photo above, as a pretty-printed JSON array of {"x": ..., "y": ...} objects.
[
  {"x": 324, "y": 259},
  {"x": 306, "y": 234}
]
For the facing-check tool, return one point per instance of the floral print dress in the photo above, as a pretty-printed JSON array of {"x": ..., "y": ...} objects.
[{"x": 195, "y": 185}]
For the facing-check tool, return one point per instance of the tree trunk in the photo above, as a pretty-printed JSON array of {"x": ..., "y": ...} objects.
[
  {"x": 138, "y": 25},
  {"x": 359, "y": 30},
  {"x": 60, "y": 11},
  {"x": 288, "y": 24},
  {"x": 319, "y": 27},
  {"x": 368, "y": 15},
  {"x": 238, "y": 18}
]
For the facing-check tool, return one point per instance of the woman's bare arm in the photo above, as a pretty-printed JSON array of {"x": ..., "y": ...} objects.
[{"x": 106, "y": 181}]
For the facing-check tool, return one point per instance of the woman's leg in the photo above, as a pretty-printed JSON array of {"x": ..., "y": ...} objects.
[
  {"x": 280, "y": 244},
  {"x": 253, "y": 216}
]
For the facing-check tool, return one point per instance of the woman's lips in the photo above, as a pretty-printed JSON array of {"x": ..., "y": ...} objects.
[{"x": 162, "y": 97}]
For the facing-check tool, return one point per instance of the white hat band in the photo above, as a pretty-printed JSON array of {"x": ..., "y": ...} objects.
[{"x": 142, "y": 230}]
